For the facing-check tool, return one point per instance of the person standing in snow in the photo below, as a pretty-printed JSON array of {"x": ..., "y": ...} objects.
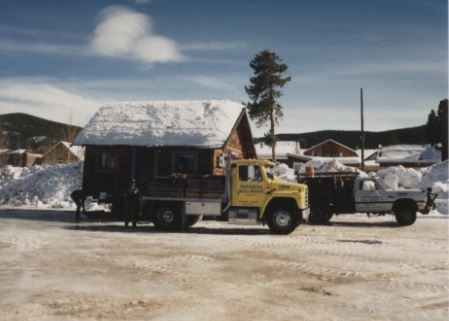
[
  {"x": 78, "y": 197},
  {"x": 132, "y": 203}
]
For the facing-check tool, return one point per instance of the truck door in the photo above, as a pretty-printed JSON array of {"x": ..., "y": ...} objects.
[
  {"x": 369, "y": 197},
  {"x": 248, "y": 190}
]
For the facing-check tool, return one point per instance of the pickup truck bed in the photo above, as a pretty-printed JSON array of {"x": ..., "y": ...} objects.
[{"x": 333, "y": 191}]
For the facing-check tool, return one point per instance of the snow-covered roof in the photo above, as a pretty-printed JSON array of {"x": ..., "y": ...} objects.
[
  {"x": 343, "y": 160},
  {"x": 78, "y": 151},
  {"x": 205, "y": 123},
  {"x": 282, "y": 149},
  {"x": 329, "y": 141},
  {"x": 408, "y": 154}
]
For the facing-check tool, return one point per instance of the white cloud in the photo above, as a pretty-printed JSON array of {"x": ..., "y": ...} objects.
[
  {"x": 46, "y": 101},
  {"x": 128, "y": 34}
]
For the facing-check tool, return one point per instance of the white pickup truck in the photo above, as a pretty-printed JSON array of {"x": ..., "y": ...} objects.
[{"x": 346, "y": 193}]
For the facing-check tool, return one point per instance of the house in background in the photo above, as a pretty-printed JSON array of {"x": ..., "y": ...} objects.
[
  {"x": 282, "y": 149},
  {"x": 144, "y": 140},
  {"x": 326, "y": 150},
  {"x": 330, "y": 148},
  {"x": 22, "y": 158},
  {"x": 408, "y": 156},
  {"x": 63, "y": 153}
]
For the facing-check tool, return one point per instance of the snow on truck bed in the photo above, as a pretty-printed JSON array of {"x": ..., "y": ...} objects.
[{"x": 206, "y": 123}]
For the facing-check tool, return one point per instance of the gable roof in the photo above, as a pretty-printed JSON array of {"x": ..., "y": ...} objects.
[
  {"x": 76, "y": 151},
  {"x": 201, "y": 123},
  {"x": 332, "y": 141}
]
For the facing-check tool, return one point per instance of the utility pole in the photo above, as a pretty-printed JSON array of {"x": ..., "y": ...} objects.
[{"x": 362, "y": 129}]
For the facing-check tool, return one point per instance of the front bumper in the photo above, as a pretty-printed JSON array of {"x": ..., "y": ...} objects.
[{"x": 305, "y": 213}]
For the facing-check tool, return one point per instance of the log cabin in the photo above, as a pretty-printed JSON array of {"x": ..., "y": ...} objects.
[{"x": 145, "y": 140}]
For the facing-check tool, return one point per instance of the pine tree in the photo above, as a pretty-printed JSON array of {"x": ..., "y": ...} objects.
[
  {"x": 443, "y": 119},
  {"x": 264, "y": 92},
  {"x": 437, "y": 128},
  {"x": 432, "y": 128}
]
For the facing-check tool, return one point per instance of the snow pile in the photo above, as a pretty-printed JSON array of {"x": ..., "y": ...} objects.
[
  {"x": 435, "y": 177},
  {"x": 205, "y": 123},
  {"x": 400, "y": 177},
  {"x": 332, "y": 165},
  {"x": 47, "y": 186},
  {"x": 285, "y": 173}
]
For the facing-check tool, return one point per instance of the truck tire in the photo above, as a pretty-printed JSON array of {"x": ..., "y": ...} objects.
[
  {"x": 167, "y": 218},
  {"x": 192, "y": 220},
  {"x": 319, "y": 216},
  {"x": 405, "y": 216},
  {"x": 282, "y": 221}
]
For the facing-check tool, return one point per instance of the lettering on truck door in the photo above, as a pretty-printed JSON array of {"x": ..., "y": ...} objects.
[
  {"x": 250, "y": 186},
  {"x": 369, "y": 197}
]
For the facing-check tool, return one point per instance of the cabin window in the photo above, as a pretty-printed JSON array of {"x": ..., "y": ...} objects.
[
  {"x": 184, "y": 163},
  {"x": 60, "y": 161},
  {"x": 249, "y": 173},
  {"x": 108, "y": 161}
]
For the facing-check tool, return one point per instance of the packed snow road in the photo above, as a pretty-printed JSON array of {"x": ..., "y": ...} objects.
[{"x": 357, "y": 268}]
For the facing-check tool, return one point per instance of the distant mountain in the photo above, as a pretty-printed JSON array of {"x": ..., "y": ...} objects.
[
  {"x": 36, "y": 134},
  {"x": 351, "y": 138}
]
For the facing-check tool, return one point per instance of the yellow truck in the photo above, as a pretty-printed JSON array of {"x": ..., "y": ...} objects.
[{"x": 248, "y": 193}]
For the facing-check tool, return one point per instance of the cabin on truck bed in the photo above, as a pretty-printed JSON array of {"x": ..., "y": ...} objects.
[{"x": 153, "y": 139}]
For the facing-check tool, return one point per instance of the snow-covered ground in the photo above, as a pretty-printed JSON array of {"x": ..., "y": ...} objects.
[
  {"x": 356, "y": 268},
  {"x": 50, "y": 186}
]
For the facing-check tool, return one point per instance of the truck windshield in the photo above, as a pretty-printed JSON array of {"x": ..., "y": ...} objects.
[{"x": 269, "y": 172}]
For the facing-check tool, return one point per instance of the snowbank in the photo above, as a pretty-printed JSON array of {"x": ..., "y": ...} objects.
[
  {"x": 436, "y": 177},
  {"x": 47, "y": 186}
]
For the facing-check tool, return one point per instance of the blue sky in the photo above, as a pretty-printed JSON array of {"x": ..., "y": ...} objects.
[{"x": 62, "y": 59}]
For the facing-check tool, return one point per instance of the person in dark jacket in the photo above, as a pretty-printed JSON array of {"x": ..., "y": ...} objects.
[
  {"x": 132, "y": 203},
  {"x": 79, "y": 197}
]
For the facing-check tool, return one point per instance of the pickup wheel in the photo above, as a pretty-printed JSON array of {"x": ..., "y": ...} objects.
[
  {"x": 282, "y": 221},
  {"x": 319, "y": 216},
  {"x": 405, "y": 216},
  {"x": 167, "y": 218}
]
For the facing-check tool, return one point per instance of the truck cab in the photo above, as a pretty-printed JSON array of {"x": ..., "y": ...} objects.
[{"x": 257, "y": 192}]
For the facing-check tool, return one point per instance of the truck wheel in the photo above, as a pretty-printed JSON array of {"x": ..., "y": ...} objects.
[
  {"x": 192, "y": 220},
  {"x": 405, "y": 216},
  {"x": 319, "y": 216},
  {"x": 167, "y": 218},
  {"x": 282, "y": 221}
]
